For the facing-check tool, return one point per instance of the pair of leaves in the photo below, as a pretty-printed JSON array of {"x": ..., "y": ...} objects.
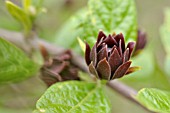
[
  {"x": 73, "y": 97},
  {"x": 20, "y": 15},
  {"x": 14, "y": 64},
  {"x": 27, "y": 14},
  {"x": 155, "y": 100},
  {"x": 107, "y": 15}
]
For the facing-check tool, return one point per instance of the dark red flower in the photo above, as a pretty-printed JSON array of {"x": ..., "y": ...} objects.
[
  {"x": 109, "y": 58},
  {"x": 59, "y": 68}
]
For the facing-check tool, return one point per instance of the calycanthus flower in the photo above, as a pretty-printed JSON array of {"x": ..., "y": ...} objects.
[
  {"x": 109, "y": 59},
  {"x": 58, "y": 68}
]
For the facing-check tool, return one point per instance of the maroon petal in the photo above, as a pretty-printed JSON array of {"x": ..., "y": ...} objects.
[
  {"x": 93, "y": 55},
  {"x": 111, "y": 51},
  {"x": 87, "y": 54},
  {"x": 102, "y": 54},
  {"x": 53, "y": 74},
  {"x": 103, "y": 69},
  {"x": 140, "y": 43},
  {"x": 121, "y": 70},
  {"x": 113, "y": 48},
  {"x": 99, "y": 44},
  {"x": 118, "y": 38},
  {"x": 110, "y": 41},
  {"x": 44, "y": 52},
  {"x": 131, "y": 46},
  {"x": 114, "y": 60},
  {"x": 126, "y": 55},
  {"x": 59, "y": 68},
  {"x": 99, "y": 47},
  {"x": 132, "y": 69},
  {"x": 100, "y": 36},
  {"x": 141, "y": 40},
  {"x": 120, "y": 48},
  {"x": 64, "y": 56},
  {"x": 93, "y": 70}
]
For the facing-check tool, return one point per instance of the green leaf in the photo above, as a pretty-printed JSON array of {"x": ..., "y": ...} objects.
[
  {"x": 20, "y": 15},
  {"x": 165, "y": 38},
  {"x": 14, "y": 64},
  {"x": 154, "y": 99},
  {"x": 107, "y": 15},
  {"x": 73, "y": 97},
  {"x": 110, "y": 16},
  {"x": 26, "y": 4}
]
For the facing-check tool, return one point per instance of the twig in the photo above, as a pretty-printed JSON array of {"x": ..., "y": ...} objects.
[
  {"x": 125, "y": 91},
  {"x": 128, "y": 92},
  {"x": 17, "y": 39}
]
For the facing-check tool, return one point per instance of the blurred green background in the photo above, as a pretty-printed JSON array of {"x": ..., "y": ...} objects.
[{"x": 21, "y": 97}]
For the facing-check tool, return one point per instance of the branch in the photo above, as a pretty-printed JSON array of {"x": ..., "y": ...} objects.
[
  {"x": 18, "y": 40},
  {"x": 123, "y": 89},
  {"x": 126, "y": 91}
]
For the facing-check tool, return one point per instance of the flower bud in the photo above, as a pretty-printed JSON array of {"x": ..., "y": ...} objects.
[
  {"x": 109, "y": 58},
  {"x": 140, "y": 43}
]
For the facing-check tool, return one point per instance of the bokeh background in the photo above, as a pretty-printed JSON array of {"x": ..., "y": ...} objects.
[{"x": 21, "y": 97}]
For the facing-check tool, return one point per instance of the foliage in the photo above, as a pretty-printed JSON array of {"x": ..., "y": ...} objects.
[
  {"x": 109, "y": 15},
  {"x": 154, "y": 99},
  {"x": 26, "y": 14},
  {"x": 74, "y": 97},
  {"x": 20, "y": 15},
  {"x": 15, "y": 65}
]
